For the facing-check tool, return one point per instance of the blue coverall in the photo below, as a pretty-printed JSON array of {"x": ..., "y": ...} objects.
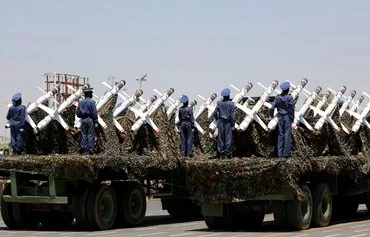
[
  {"x": 225, "y": 116},
  {"x": 86, "y": 110},
  {"x": 17, "y": 117},
  {"x": 285, "y": 109},
  {"x": 186, "y": 118}
]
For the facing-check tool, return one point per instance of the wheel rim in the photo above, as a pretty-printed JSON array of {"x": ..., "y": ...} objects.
[
  {"x": 106, "y": 207},
  {"x": 135, "y": 204}
]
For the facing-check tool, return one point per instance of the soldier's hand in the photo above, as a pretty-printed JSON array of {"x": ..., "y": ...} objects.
[
  {"x": 96, "y": 125},
  {"x": 21, "y": 130}
]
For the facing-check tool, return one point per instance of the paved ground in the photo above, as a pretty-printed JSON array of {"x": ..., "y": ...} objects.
[{"x": 158, "y": 223}]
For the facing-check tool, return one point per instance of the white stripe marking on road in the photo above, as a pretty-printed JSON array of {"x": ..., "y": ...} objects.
[
  {"x": 332, "y": 235},
  {"x": 356, "y": 226},
  {"x": 332, "y": 230},
  {"x": 215, "y": 234},
  {"x": 357, "y": 235},
  {"x": 299, "y": 235},
  {"x": 149, "y": 234},
  {"x": 145, "y": 228},
  {"x": 361, "y": 230},
  {"x": 185, "y": 234}
]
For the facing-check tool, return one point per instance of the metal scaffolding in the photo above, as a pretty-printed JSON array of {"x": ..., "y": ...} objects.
[{"x": 62, "y": 81}]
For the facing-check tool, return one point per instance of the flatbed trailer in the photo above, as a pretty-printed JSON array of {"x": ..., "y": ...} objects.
[
  {"x": 319, "y": 196},
  {"x": 99, "y": 198}
]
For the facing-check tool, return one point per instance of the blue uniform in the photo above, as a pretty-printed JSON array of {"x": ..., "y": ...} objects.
[
  {"x": 17, "y": 117},
  {"x": 285, "y": 108},
  {"x": 186, "y": 118},
  {"x": 86, "y": 110},
  {"x": 225, "y": 116}
]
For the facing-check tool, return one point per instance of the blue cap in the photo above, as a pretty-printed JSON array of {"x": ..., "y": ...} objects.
[
  {"x": 17, "y": 96},
  {"x": 340, "y": 102},
  {"x": 184, "y": 99},
  {"x": 285, "y": 85},
  {"x": 225, "y": 92}
]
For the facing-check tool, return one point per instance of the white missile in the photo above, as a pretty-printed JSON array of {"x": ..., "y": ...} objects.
[
  {"x": 145, "y": 117},
  {"x": 104, "y": 99},
  {"x": 361, "y": 118},
  {"x": 237, "y": 98},
  {"x": 145, "y": 107},
  {"x": 172, "y": 108},
  {"x": 40, "y": 100},
  {"x": 55, "y": 114},
  {"x": 207, "y": 104},
  {"x": 326, "y": 115},
  {"x": 347, "y": 102},
  {"x": 357, "y": 104},
  {"x": 252, "y": 113},
  {"x": 321, "y": 102},
  {"x": 125, "y": 105},
  {"x": 298, "y": 116},
  {"x": 101, "y": 102},
  {"x": 274, "y": 121}
]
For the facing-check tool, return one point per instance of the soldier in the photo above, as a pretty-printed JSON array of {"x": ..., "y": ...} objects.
[
  {"x": 225, "y": 116},
  {"x": 285, "y": 108},
  {"x": 186, "y": 123},
  {"x": 86, "y": 110},
  {"x": 16, "y": 117}
]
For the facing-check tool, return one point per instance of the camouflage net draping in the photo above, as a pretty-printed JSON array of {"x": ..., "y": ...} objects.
[{"x": 148, "y": 154}]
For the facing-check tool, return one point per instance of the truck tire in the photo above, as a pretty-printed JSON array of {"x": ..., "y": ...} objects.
[
  {"x": 57, "y": 219},
  {"x": 322, "y": 205},
  {"x": 367, "y": 201},
  {"x": 101, "y": 207},
  {"x": 280, "y": 215},
  {"x": 79, "y": 208},
  {"x": 216, "y": 222},
  {"x": 300, "y": 212},
  {"x": 132, "y": 204},
  {"x": 7, "y": 209}
]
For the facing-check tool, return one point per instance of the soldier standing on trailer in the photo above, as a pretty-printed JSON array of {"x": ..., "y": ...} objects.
[
  {"x": 285, "y": 109},
  {"x": 86, "y": 110},
  {"x": 186, "y": 122},
  {"x": 16, "y": 117},
  {"x": 225, "y": 116}
]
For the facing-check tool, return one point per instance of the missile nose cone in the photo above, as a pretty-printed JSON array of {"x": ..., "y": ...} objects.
[
  {"x": 194, "y": 102},
  {"x": 360, "y": 99},
  {"x": 138, "y": 93},
  {"x": 343, "y": 89},
  {"x": 274, "y": 84},
  {"x": 249, "y": 86},
  {"x": 318, "y": 89},
  {"x": 352, "y": 94},
  {"x": 304, "y": 82},
  {"x": 327, "y": 93},
  {"x": 170, "y": 91},
  {"x": 213, "y": 96},
  {"x": 121, "y": 83},
  {"x": 54, "y": 91}
]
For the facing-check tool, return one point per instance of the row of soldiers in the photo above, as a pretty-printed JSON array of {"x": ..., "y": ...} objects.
[{"x": 224, "y": 114}]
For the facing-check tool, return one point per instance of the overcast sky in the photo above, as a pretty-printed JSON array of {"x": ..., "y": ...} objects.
[{"x": 195, "y": 46}]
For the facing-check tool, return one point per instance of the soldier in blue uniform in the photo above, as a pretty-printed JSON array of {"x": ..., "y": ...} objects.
[
  {"x": 186, "y": 124},
  {"x": 285, "y": 109},
  {"x": 86, "y": 110},
  {"x": 16, "y": 117},
  {"x": 225, "y": 116}
]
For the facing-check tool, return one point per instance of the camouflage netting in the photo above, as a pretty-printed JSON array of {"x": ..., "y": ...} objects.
[{"x": 54, "y": 151}]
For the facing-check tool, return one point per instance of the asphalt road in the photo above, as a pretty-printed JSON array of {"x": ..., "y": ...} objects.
[{"x": 158, "y": 223}]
